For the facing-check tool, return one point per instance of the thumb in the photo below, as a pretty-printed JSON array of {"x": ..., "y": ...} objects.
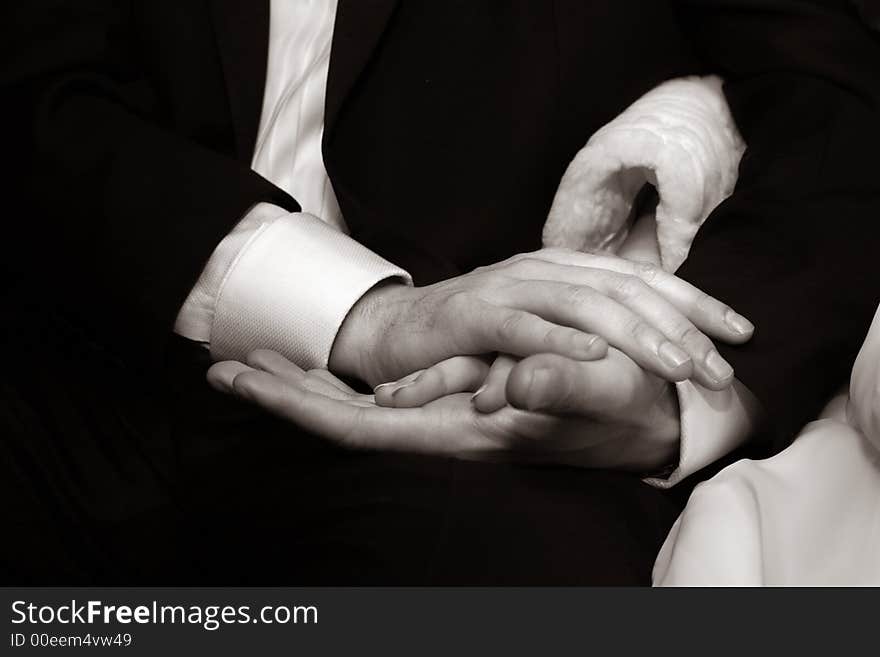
[{"x": 554, "y": 384}]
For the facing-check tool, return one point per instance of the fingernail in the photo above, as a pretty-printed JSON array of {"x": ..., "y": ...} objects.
[
  {"x": 538, "y": 384},
  {"x": 738, "y": 323},
  {"x": 719, "y": 368},
  {"x": 672, "y": 355},
  {"x": 585, "y": 346},
  {"x": 477, "y": 393},
  {"x": 402, "y": 386}
]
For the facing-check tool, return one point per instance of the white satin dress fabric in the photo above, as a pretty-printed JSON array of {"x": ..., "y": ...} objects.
[{"x": 809, "y": 516}]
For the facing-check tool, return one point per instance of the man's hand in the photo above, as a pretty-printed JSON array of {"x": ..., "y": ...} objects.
[
  {"x": 618, "y": 417},
  {"x": 551, "y": 301}
]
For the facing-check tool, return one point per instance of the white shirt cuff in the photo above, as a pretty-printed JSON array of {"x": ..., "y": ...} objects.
[
  {"x": 713, "y": 423},
  {"x": 289, "y": 289},
  {"x": 196, "y": 316}
]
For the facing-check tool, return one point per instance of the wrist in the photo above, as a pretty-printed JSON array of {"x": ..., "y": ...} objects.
[
  {"x": 656, "y": 446},
  {"x": 356, "y": 351}
]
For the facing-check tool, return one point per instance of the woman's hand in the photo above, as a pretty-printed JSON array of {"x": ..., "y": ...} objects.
[
  {"x": 470, "y": 374},
  {"x": 550, "y": 301}
]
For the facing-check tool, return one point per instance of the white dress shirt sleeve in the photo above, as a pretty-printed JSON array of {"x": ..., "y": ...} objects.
[
  {"x": 287, "y": 281},
  {"x": 281, "y": 281}
]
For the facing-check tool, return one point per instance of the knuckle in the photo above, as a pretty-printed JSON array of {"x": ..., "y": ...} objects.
[
  {"x": 531, "y": 261},
  {"x": 462, "y": 302},
  {"x": 647, "y": 271},
  {"x": 690, "y": 334},
  {"x": 694, "y": 341},
  {"x": 510, "y": 262},
  {"x": 514, "y": 258},
  {"x": 641, "y": 332},
  {"x": 524, "y": 265},
  {"x": 509, "y": 326},
  {"x": 437, "y": 376},
  {"x": 555, "y": 336},
  {"x": 493, "y": 278},
  {"x": 578, "y": 295},
  {"x": 629, "y": 287},
  {"x": 707, "y": 304},
  {"x": 551, "y": 251}
]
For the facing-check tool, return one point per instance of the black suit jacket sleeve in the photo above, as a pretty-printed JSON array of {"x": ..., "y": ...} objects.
[
  {"x": 795, "y": 248},
  {"x": 123, "y": 213}
]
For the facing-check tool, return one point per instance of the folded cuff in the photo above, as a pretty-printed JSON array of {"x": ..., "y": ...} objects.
[
  {"x": 713, "y": 424},
  {"x": 290, "y": 289}
]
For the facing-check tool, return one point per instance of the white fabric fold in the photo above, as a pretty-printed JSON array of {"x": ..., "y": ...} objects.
[
  {"x": 679, "y": 137},
  {"x": 713, "y": 423},
  {"x": 196, "y": 316}
]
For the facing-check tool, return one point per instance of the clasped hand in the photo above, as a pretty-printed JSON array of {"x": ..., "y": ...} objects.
[{"x": 600, "y": 339}]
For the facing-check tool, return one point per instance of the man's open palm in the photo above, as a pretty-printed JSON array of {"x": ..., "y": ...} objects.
[{"x": 627, "y": 421}]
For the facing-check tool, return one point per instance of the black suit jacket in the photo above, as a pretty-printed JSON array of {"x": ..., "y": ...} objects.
[{"x": 448, "y": 126}]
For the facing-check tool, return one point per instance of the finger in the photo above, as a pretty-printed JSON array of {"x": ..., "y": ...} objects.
[
  {"x": 458, "y": 374},
  {"x": 589, "y": 310},
  {"x": 275, "y": 363},
  {"x": 515, "y": 331},
  {"x": 318, "y": 380},
  {"x": 320, "y": 377},
  {"x": 491, "y": 396},
  {"x": 271, "y": 361},
  {"x": 336, "y": 382},
  {"x": 384, "y": 392},
  {"x": 717, "y": 319},
  {"x": 709, "y": 368},
  {"x": 221, "y": 375},
  {"x": 355, "y": 425},
  {"x": 552, "y": 384},
  {"x": 328, "y": 417}
]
